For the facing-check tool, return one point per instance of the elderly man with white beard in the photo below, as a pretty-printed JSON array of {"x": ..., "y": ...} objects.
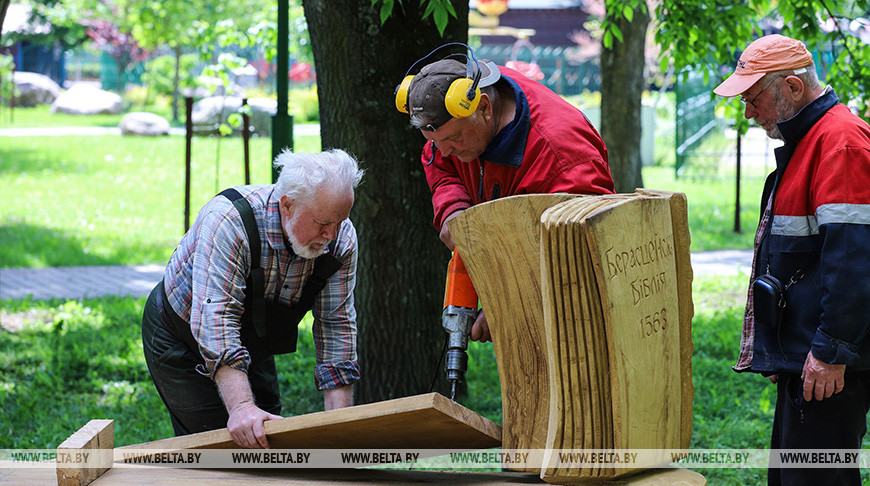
[
  {"x": 256, "y": 260},
  {"x": 807, "y": 313}
]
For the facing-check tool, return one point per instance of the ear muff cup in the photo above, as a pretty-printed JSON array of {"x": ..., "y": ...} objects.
[
  {"x": 462, "y": 98},
  {"x": 402, "y": 93}
]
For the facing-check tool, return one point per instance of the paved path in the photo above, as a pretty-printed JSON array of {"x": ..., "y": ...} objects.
[
  {"x": 138, "y": 280},
  {"x": 78, "y": 282}
]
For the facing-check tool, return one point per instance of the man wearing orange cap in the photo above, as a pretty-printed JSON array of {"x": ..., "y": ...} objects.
[{"x": 807, "y": 313}]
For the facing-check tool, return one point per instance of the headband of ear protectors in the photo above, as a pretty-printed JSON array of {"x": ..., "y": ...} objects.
[{"x": 462, "y": 96}]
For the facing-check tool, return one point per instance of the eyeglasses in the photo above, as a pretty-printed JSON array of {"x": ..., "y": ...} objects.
[{"x": 752, "y": 101}]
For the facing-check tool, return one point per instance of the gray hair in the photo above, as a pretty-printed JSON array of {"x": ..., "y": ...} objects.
[
  {"x": 810, "y": 77},
  {"x": 302, "y": 175}
]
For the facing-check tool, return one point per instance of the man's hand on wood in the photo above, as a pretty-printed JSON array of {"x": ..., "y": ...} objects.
[{"x": 246, "y": 425}]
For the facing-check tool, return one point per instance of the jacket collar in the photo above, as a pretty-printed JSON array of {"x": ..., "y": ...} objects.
[
  {"x": 797, "y": 126},
  {"x": 509, "y": 144}
]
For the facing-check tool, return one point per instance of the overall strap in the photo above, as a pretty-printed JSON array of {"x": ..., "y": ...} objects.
[
  {"x": 324, "y": 266},
  {"x": 257, "y": 279}
]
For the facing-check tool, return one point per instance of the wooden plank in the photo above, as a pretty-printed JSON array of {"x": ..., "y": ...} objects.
[
  {"x": 167, "y": 476},
  {"x": 500, "y": 244},
  {"x": 429, "y": 421},
  {"x": 90, "y": 445}
]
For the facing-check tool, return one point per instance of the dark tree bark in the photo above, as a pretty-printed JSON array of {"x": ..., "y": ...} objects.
[
  {"x": 402, "y": 264},
  {"x": 4, "y": 4},
  {"x": 622, "y": 84}
]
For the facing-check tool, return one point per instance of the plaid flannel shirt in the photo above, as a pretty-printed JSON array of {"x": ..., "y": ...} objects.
[
  {"x": 205, "y": 285},
  {"x": 747, "y": 336}
]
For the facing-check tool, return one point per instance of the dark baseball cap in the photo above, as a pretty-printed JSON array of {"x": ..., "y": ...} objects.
[{"x": 427, "y": 90}]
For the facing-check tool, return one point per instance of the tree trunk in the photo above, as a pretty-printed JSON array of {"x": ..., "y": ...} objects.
[
  {"x": 402, "y": 263},
  {"x": 622, "y": 84},
  {"x": 4, "y": 4}
]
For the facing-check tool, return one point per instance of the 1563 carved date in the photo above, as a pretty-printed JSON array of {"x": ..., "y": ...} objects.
[{"x": 653, "y": 323}]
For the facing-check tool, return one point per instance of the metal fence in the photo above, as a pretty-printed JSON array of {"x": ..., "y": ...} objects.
[{"x": 695, "y": 117}]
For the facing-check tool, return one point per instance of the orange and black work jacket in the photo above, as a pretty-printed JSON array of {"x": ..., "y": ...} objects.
[
  {"x": 820, "y": 227},
  {"x": 548, "y": 147}
]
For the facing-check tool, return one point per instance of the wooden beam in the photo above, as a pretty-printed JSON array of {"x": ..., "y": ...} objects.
[
  {"x": 430, "y": 421},
  {"x": 167, "y": 476},
  {"x": 91, "y": 445}
]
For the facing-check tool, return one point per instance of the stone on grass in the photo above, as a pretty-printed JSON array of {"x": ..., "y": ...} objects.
[
  {"x": 34, "y": 89},
  {"x": 144, "y": 123},
  {"x": 209, "y": 113},
  {"x": 84, "y": 99}
]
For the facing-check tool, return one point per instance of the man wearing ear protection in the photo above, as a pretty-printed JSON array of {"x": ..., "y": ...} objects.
[
  {"x": 808, "y": 310},
  {"x": 492, "y": 132}
]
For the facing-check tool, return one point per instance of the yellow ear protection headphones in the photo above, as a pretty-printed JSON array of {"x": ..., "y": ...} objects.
[{"x": 463, "y": 95}]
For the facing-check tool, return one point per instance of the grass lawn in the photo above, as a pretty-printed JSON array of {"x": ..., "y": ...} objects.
[
  {"x": 711, "y": 208},
  {"x": 110, "y": 199},
  {"x": 41, "y": 117}
]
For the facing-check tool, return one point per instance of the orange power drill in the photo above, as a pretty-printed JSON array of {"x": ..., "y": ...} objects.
[{"x": 460, "y": 311}]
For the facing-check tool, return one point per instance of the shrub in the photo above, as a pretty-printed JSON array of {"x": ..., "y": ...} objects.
[
  {"x": 304, "y": 105},
  {"x": 159, "y": 74}
]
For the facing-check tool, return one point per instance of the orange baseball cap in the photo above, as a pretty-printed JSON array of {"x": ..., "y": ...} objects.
[{"x": 767, "y": 54}]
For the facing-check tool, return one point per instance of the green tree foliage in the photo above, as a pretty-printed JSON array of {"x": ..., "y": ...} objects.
[
  {"x": 439, "y": 10},
  {"x": 48, "y": 12},
  {"x": 183, "y": 26},
  {"x": 685, "y": 27}
]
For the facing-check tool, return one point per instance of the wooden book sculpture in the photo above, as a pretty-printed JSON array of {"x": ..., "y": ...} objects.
[{"x": 606, "y": 291}]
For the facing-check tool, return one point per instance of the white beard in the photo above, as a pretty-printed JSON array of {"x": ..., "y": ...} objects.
[{"x": 304, "y": 251}]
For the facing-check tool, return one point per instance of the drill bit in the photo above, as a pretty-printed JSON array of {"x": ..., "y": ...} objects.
[{"x": 453, "y": 390}]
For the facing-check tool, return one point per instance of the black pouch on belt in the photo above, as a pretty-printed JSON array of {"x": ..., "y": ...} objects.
[{"x": 768, "y": 301}]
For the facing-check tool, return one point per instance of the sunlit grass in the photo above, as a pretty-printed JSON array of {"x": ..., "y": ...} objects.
[{"x": 109, "y": 199}]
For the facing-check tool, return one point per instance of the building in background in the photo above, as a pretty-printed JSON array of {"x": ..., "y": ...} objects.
[
  {"x": 540, "y": 39},
  {"x": 32, "y": 48}
]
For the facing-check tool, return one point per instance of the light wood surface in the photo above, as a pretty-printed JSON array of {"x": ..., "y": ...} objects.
[
  {"x": 682, "y": 239},
  {"x": 429, "y": 421},
  {"x": 95, "y": 437},
  {"x": 631, "y": 244},
  {"x": 500, "y": 244},
  {"x": 580, "y": 381},
  {"x": 165, "y": 476}
]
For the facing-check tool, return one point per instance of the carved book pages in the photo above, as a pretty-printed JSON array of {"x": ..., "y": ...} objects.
[
  {"x": 618, "y": 352},
  {"x": 580, "y": 411}
]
